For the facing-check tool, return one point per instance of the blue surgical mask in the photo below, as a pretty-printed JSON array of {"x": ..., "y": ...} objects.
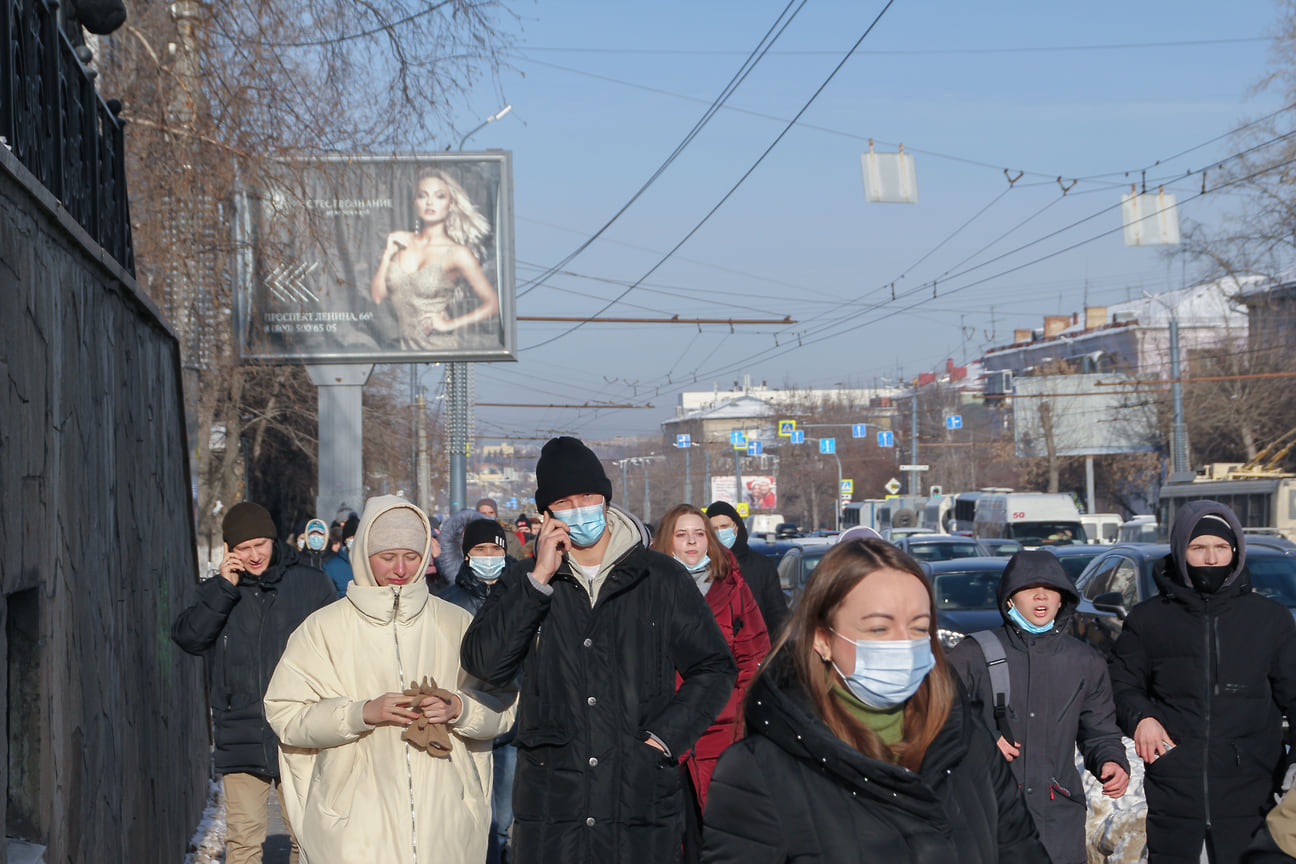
[
  {"x": 487, "y": 567},
  {"x": 584, "y": 524},
  {"x": 887, "y": 671},
  {"x": 700, "y": 567},
  {"x": 728, "y": 536},
  {"x": 1020, "y": 620},
  {"x": 315, "y": 542}
]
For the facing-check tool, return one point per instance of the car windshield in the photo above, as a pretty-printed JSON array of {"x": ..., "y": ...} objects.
[
  {"x": 1002, "y": 548},
  {"x": 1047, "y": 533},
  {"x": 1074, "y": 565},
  {"x": 943, "y": 550},
  {"x": 1274, "y": 578},
  {"x": 967, "y": 590}
]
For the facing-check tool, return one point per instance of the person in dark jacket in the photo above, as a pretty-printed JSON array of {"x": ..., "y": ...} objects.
[
  {"x": 338, "y": 567},
  {"x": 1202, "y": 674},
  {"x": 760, "y": 573},
  {"x": 861, "y": 746},
  {"x": 598, "y": 625},
  {"x": 240, "y": 622},
  {"x": 315, "y": 544},
  {"x": 484, "y": 562},
  {"x": 1059, "y": 698}
]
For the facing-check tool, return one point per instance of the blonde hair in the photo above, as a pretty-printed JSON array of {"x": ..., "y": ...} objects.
[{"x": 464, "y": 223}]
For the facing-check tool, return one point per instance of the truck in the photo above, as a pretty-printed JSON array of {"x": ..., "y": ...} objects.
[{"x": 1032, "y": 518}]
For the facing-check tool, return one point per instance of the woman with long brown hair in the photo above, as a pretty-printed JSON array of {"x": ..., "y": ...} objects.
[
  {"x": 686, "y": 534},
  {"x": 860, "y": 744}
]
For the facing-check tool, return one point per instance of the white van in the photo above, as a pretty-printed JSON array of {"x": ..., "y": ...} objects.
[
  {"x": 1139, "y": 529},
  {"x": 1032, "y": 518},
  {"x": 1101, "y": 527},
  {"x": 763, "y": 523}
]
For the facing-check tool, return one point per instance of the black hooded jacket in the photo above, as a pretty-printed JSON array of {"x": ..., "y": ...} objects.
[
  {"x": 1060, "y": 699},
  {"x": 1217, "y": 671},
  {"x": 758, "y": 571},
  {"x": 241, "y": 630},
  {"x": 793, "y": 791}
]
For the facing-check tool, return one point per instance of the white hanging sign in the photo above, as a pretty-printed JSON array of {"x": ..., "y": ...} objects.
[
  {"x": 889, "y": 178},
  {"x": 1150, "y": 219}
]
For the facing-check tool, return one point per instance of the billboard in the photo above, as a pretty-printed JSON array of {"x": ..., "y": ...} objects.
[
  {"x": 391, "y": 259},
  {"x": 1084, "y": 415},
  {"x": 759, "y": 492}
]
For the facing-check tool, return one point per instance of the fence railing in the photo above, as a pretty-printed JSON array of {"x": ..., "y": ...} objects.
[{"x": 53, "y": 119}]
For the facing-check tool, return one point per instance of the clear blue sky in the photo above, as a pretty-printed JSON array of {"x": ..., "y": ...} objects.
[{"x": 602, "y": 93}]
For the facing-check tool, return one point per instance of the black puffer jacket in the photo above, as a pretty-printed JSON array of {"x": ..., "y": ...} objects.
[
  {"x": 241, "y": 631},
  {"x": 793, "y": 791},
  {"x": 1060, "y": 699},
  {"x": 468, "y": 592},
  {"x": 758, "y": 571},
  {"x": 595, "y": 682},
  {"x": 1217, "y": 671}
]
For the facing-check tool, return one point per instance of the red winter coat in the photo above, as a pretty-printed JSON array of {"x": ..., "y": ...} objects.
[{"x": 740, "y": 621}]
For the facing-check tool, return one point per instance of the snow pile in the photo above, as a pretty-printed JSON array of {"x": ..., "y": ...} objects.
[
  {"x": 1116, "y": 828},
  {"x": 207, "y": 846}
]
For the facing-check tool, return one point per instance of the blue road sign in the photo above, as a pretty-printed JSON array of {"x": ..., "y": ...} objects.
[
  {"x": 683, "y": 441},
  {"x": 736, "y": 438},
  {"x": 828, "y": 445},
  {"x": 954, "y": 421},
  {"x": 798, "y": 436},
  {"x": 859, "y": 430},
  {"x": 753, "y": 448},
  {"x": 886, "y": 439}
]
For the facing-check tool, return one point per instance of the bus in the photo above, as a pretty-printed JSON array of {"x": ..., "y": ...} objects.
[{"x": 1265, "y": 503}]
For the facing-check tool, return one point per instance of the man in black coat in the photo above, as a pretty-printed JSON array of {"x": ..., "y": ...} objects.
[
  {"x": 758, "y": 571},
  {"x": 240, "y": 622},
  {"x": 1202, "y": 674},
  {"x": 598, "y": 625}
]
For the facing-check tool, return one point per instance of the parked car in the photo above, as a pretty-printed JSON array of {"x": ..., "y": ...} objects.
[
  {"x": 1001, "y": 547},
  {"x": 1274, "y": 540},
  {"x": 940, "y": 547},
  {"x": 1076, "y": 558},
  {"x": 798, "y": 562},
  {"x": 894, "y": 534},
  {"x": 1121, "y": 578},
  {"x": 966, "y": 595}
]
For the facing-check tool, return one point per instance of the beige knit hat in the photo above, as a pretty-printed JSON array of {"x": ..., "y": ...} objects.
[{"x": 397, "y": 528}]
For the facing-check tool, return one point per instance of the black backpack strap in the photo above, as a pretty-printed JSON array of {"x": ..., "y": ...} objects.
[{"x": 997, "y": 667}]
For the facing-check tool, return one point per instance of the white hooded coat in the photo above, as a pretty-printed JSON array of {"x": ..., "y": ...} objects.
[{"x": 355, "y": 792}]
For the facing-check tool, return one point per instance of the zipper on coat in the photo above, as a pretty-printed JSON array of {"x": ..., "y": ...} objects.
[
  {"x": 1207, "y": 687},
  {"x": 1070, "y": 702},
  {"x": 225, "y": 659},
  {"x": 409, "y": 766}
]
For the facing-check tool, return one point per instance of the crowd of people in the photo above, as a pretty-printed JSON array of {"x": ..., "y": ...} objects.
[{"x": 575, "y": 688}]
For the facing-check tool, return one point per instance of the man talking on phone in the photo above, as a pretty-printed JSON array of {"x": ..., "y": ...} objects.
[
  {"x": 599, "y": 626},
  {"x": 240, "y": 621}
]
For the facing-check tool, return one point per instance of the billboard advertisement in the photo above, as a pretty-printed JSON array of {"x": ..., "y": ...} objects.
[
  {"x": 388, "y": 260},
  {"x": 1082, "y": 415},
  {"x": 759, "y": 492}
]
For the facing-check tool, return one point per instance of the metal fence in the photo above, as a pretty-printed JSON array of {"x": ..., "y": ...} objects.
[{"x": 53, "y": 119}]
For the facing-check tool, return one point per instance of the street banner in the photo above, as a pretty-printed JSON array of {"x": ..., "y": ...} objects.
[
  {"x": 760, "y": 491},
  {"x": 387, "y": 260}
]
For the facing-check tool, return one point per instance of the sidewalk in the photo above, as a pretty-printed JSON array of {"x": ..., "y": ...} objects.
[{"x": 209, "y": 840}]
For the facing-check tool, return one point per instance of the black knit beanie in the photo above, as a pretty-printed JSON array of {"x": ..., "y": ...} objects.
[
  {"x": 1215, "y": 526},
  {"x": 483, "y": 531},
  {"x": 247, "y": 521},
  {"x": 568, "y": 467}
]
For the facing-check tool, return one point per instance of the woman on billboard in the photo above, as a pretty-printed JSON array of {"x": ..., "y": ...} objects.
[{"x": 420, "y": 270}]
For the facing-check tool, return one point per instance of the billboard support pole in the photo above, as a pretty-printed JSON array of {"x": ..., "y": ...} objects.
[
  {"x": 688, "y": 477},
  {"x": 737, "y": 480},
  {"x": 457, "y": 373},
  {"x": 1089, "y": 484},
  {"x": 341, "y": 438}
]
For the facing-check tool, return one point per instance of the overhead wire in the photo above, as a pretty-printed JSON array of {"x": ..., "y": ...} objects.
[
  {"x": 767, "y": 41},
  {"x": 791, "y": 123}
]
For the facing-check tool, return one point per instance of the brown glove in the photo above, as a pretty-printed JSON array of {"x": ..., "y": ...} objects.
[{"x": 433, "y": 738}]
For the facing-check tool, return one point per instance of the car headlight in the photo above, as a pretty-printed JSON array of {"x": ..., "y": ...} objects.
[{"x": 949, "y": 638}]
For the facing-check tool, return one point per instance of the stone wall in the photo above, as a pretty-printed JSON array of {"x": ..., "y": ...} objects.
[{"x": 107, "y": 752}]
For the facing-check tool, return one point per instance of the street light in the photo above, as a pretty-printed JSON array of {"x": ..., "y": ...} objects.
[{"x": 489, "y": 120}]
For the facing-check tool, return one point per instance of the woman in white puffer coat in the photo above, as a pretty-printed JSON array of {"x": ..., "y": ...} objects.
[{"x": 354, "y": 790}]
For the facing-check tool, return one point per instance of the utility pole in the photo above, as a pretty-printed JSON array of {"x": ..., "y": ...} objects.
[
  {"x": 1179, "y": 435},
  {"x": 424, "y": 463},
  {"x": 913, "y": 442}
]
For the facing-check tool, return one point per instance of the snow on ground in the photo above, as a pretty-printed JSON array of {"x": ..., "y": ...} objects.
[{"x": 207, "y": 846}]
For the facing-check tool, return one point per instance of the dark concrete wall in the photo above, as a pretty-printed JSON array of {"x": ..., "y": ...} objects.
[{"x": 96, "y": 551}]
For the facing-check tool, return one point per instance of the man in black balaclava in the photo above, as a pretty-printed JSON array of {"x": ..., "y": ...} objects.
[{"x": 1202, "y": 674}]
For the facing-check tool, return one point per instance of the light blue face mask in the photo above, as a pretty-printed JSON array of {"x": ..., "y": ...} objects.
[
  {"x": 585, "y": 524},
  {"x": 887, "y": 671},
  {"x": 487, "y": 568},
  {"x": 700, "y": 567},
  {"x": 728, "y": 536},
  {"x": 1020, "y": 620}
]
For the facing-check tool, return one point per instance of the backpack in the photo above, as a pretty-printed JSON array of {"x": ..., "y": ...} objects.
[{"x": 1000, "y": 686}]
